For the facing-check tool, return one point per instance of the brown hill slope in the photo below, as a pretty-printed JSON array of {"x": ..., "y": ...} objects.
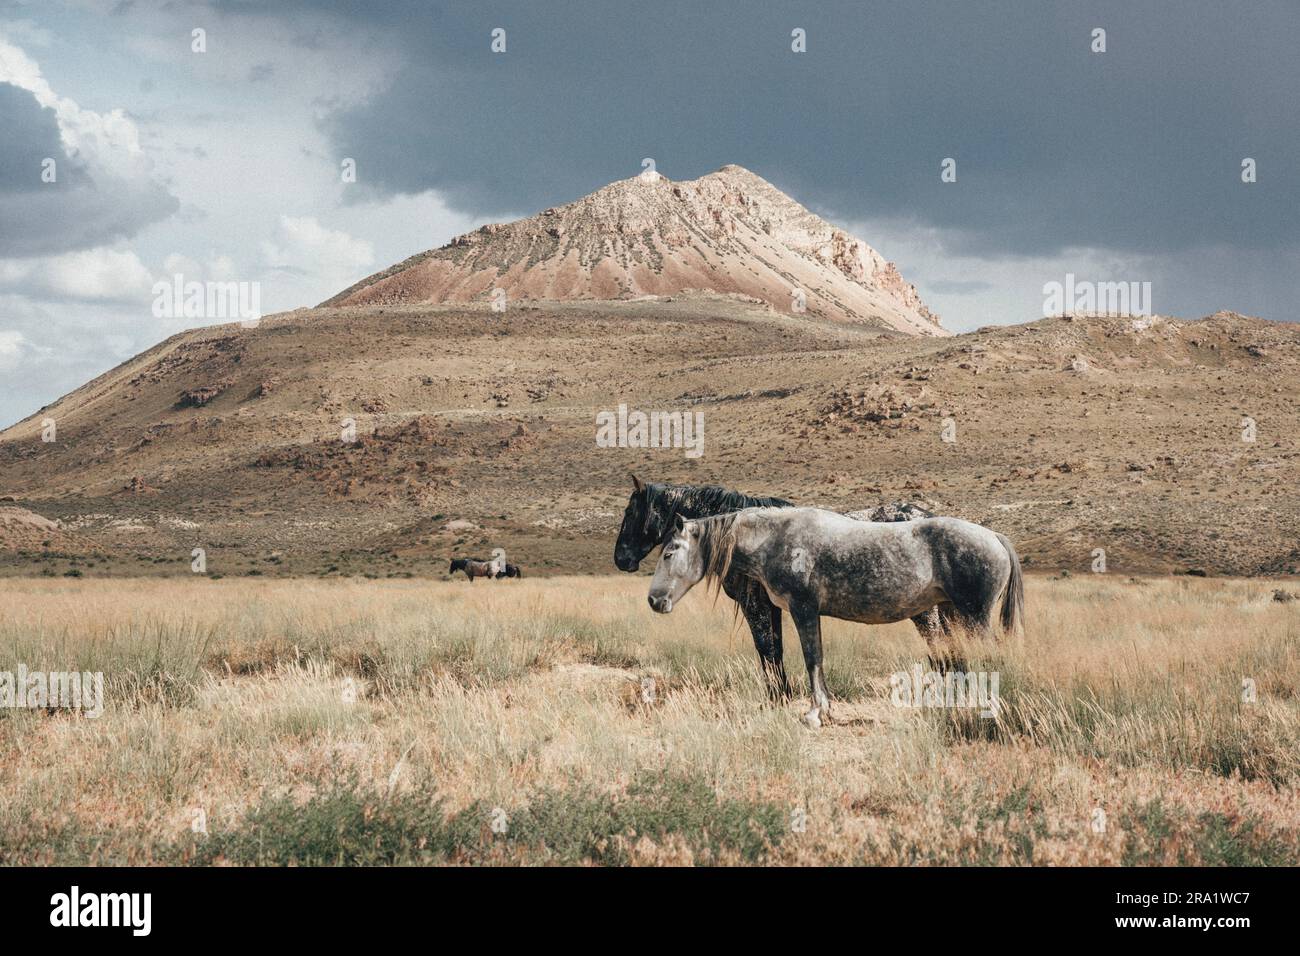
[
  {"x": 1070, "y": 436},
  {"x": 727, "y": 232}
]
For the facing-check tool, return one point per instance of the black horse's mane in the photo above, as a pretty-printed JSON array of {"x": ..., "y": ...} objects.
[{"x": 702, "y": 501}]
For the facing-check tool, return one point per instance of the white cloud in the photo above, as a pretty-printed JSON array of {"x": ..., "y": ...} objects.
[
  {"x": 320, "y": 259},
  {"x": 176, "y": 264},
  {"x": 101, "y": 274},
  {"x": 11, "y": 348},
  {"x": 98, "y": 274},
  {"x": 301, "y": 242},
  {"x": 216, "y": 268},
  {"x": 221, "y": 268}
]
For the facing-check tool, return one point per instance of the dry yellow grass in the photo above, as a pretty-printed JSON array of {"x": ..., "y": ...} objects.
[{"x": 393, "y": 721}]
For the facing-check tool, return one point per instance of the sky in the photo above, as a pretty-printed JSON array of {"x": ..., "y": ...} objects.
[{"x": 224, "y": 158}]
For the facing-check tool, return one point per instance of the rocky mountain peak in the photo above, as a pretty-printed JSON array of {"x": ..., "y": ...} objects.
[{"x": 728, "y": 232}]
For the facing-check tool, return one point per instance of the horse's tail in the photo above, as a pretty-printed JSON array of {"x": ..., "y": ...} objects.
[{"x": 1013, "y": 602}]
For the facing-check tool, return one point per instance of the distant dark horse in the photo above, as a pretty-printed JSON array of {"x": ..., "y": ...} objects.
[
  {"x": 651, "y": 516},
  {"x": 472, "y": 567},
  {"x": 511, "y": 571}
]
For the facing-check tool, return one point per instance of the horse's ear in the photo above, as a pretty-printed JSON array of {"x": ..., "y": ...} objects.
[
  {"x": 636, "y": 483},
  {"x": 680, "y": 522}
]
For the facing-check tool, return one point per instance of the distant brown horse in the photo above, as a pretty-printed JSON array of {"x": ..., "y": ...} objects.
[{"x": 472, "y": 567}]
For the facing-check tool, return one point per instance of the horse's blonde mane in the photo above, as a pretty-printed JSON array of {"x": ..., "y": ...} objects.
[{"x": 717, "y": 543}]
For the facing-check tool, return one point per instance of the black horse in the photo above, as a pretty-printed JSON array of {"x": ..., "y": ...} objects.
[
  {"x": 510, "y": 571},
  {"x": 649, "y": 521}
]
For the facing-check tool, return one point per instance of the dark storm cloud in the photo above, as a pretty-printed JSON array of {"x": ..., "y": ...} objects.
[
  {"x": 80, "y": 208},
  {"x": 1137, "y": 148},
  {"x": 31, "y": 135}
]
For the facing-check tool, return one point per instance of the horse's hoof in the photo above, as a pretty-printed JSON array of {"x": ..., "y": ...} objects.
[{"x": 812, "y": 719}]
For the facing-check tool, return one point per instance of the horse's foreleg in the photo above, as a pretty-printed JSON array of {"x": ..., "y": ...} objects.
[
  {"x": 809, "y": 624},
  {"x": 764, "y": 619},
  {"x": 778, "y": 650}
]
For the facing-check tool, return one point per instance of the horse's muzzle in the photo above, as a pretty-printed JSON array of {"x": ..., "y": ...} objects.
[
  {"x": 661, "y": 604},
  {"x": 626, "y": 564}
]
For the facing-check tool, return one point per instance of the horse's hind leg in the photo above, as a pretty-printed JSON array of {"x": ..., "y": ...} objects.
[
  {"x": 932, "y": 626},
  {"x": 975, "y": 591},
  {"x": 975, "y": 614},
  {"x": 809, "y": 624},
  {"x": 939, "y": 626}
]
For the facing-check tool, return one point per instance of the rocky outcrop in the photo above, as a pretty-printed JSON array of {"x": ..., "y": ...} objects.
[{"x": 198, "y": 397}]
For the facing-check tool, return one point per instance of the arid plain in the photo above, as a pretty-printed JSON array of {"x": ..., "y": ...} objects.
[{"x": 558, "y": 721}]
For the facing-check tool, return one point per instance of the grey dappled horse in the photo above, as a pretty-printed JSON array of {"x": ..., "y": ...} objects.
[
  {"x": 813, "y": 562},
  {"x": 649, "y": 521}
]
